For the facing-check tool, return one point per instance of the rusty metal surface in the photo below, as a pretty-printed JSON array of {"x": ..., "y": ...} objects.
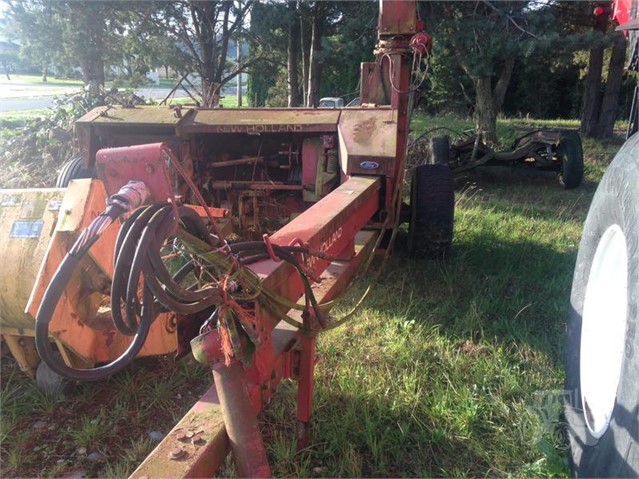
[
  {"x": 271, "y": 120},
  {"x": 136, "y": 115},
  {"x": 252, "y": 185},
  {"x": 368, "y": 135},
  {"x": 206, "y": 415},
  {"x": 240, "y": 419},
  {"x": 327, "y": 226},
  {"x": 81, "y": 322},
  {"x": 200, "y": 458},
  {"x": 147, "y": 163},
  {"x": 397, "y": 18}
]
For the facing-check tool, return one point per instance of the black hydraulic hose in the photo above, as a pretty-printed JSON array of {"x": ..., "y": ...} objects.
[
  {"x": 139, "y": 253},
  {"x": 181, "y": 273},
  {"x": 124, "y": 252},
  {"x": 156, "y": 237},
  {"x": 45, "y": 313}
]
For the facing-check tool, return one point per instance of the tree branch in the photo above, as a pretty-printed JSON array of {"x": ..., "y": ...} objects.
[{"x": 510, "y": 19}]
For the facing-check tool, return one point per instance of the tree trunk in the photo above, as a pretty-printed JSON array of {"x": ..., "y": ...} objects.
[
  {"x": 315, "y": 70},
  {"x": 210, "y": 93},
  {"x": 610, "y": 102},
  {"x": 45, "y": 71},
  {"x": 305, "y": 42},
  {"x": 294, "y": 43},
  {"x": 484, "y": 109},
  {"x": 499, "y": 92},
  {"x": 592, "y": 88},
  {"x": 92, "y": 73}
]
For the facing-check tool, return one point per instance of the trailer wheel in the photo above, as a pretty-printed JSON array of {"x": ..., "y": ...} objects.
[
  {"x": 571, "y": 157},
  {"x": 73, "y": 170},
  {"x": 439, "y": 150},
  {"x": 432, "y": 211},
  {"x": 602, "y": 350}
]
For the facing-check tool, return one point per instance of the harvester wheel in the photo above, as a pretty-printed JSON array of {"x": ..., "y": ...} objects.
[
  {"x": 570, "y": 154},
  {"x": 432, "y": 211},
  {"x": 602, "y": 350},
  {"x": 439, "y": 150},
  {"x": 73, "y": 170}
]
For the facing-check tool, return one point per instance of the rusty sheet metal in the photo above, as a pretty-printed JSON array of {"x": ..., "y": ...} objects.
[
  {"x": 328, "y": 226},
  {"x": 275, "y": 120},
  {"x": 203, "y": 452},
  {"x": 333, "y": 282},
  {"x": 397, "y": 18},
  {"x": 147, "y": 163},
  {"x": 135, "y": 115},
  {"x": 368, "y": 135}
]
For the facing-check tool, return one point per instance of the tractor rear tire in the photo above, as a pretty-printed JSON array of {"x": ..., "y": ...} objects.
[
  {"x": 73, "y": 170},
  {"x": 439, "y": 150},
  {"x": 602, "y": 344},
  {"x": 570, "y": 154},
  {"x": 432, "y": 212}
]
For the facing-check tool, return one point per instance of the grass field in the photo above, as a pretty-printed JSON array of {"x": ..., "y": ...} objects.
[{"x": 449, "y": 369}]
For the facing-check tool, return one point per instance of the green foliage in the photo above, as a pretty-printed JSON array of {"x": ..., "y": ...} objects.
[
  {"x": 41, "y": 144},
  {"x": 269, "y": 30}
]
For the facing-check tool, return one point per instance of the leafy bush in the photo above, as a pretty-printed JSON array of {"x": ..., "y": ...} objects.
[{"x": 37, "y": 150}]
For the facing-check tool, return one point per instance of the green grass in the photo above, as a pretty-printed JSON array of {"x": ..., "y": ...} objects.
[
  {"x": 437, "y": 374},
  {"x": 449, "y": 369},
  {"x": 37, "y": 80},
  {"x": 49, "y": 436},
  {"x": 12, "y": 121}
]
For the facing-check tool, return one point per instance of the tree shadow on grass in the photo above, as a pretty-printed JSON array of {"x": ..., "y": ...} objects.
[{"x": 516, "y": 292}]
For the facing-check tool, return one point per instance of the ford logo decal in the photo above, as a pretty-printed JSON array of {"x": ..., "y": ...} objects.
[{"x": 369, "y": 165}]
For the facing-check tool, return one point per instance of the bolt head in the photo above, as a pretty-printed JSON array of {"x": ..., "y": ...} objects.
[{"x": 176, "y": 454}]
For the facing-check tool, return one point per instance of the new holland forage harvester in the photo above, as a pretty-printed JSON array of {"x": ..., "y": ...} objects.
[{"x": 217, "y": 224}]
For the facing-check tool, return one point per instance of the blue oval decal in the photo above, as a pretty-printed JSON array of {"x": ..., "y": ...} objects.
[{"x": 369, "y": 165}]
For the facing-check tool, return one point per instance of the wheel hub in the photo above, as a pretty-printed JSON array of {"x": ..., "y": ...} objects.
[{"x": 603, "y": 329}]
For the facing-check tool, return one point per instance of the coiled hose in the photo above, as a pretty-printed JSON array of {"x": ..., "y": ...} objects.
[{"x": 137, "y": 254}]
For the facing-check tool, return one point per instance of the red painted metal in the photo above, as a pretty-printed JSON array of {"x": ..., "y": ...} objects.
[
  {"x": 305, "y": 389},
  {"x": 241, "y": 421},
  {"x": 117, "y": 166},
  {"x": 206, "y": 416}
]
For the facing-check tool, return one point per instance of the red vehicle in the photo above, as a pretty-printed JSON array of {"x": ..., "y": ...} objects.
[
  {"x": 602, "y": 349},
  {"x": 228, "y": 234}
]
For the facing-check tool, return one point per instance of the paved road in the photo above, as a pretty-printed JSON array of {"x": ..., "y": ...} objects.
[{"x": 32, "y": 99}]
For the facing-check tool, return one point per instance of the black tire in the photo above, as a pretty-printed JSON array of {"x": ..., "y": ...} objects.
[
  {"x": 50, "y": 382},
  {"x": 73, "y": 170},
  {"x": 600, "y": 448},
  {"x": 570, "y": 154},
  {"x": 439, "y": 150},
  {"x": 432, "y": 212}
]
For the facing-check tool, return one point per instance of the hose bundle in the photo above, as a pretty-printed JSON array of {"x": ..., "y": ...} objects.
[{"x": 142, "y": 283}]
